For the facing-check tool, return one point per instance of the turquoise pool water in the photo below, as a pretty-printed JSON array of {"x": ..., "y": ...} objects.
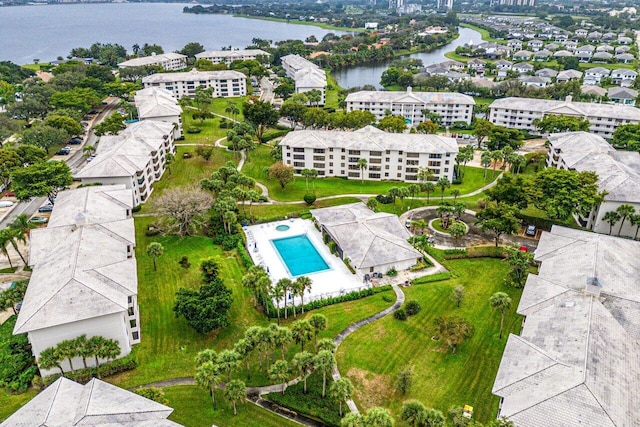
[{"x": 299, "y": 255}]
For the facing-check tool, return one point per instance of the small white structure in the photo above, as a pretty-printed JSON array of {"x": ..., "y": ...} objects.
[
  {"x": 224, "y": 83},
  {"x": 395, "y": 156},
  {"x": 168, "y": 61},
  {"x": 373, "y": 242},
  {"x": 95, "y": 404},
  {"x": 451, "y": 106},
  {"x": 136, "y": 158},
  {"x": 84, "y": 278},
  {"x": 228, "y": 56},
  {"x": 159, "y": 104}
]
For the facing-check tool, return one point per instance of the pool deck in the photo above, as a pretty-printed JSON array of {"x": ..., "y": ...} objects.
[{"x": 328, "y": 283}]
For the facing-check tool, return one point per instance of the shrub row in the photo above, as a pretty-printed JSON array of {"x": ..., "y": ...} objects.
[
  {"x": 319, "y": 303},
  {"x": 83, "y": 376},
  {"x": 275, "y": 134},
  {"x": 474, "y": 252},
  {"x": 445, "y": 275},
  {"x": 245, "y": 259}
]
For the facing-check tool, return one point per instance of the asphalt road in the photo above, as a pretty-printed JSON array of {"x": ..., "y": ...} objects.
[{"x": 75, "y": 161}]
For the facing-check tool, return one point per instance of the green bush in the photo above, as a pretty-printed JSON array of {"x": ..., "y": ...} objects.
[
  {"x": 312, "y": 404},
  {"x": 184, "y": 262},
  {"x": 486, "y": 252},
  {"x": 136, "y": 208},
  {"x": 245, "y": 259},
  {"x": 309, "y": 199},
  {"x": 445, "y": 275},
  {"x": 152, "y": 230},
  {"x": 387, "y": 298},
  {"x": 275, "y": 134},
  {"x": 17, "y": 368},
  {"x": 83, "y": 376},
  {"x": 392, "y": 272},
  {"x": 412, "y": 307},
  {"x": 384, "y": 199},
  {"x": 193, "y": 129},
  {"x": 400, "y": 314}
]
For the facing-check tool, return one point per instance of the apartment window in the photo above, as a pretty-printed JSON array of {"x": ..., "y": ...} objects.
[
  {"x": 319, "y": 158},
  {"x": 129, "y": 299},
  {"x": 354, "y": 175},
  {"x": 399, "y": 175},
  {"x": 298, "y": 164},
  {"x": 298, "y": 156},
  {"x": 375, "y": 153},
  {"x": 386, "y": 167},
  {"x": 354, "y": 152},
  {"x": 298, "y": 150},
  {"x": 136, "y": 335},
  {"x": 330, "y": 163},
  {"x": 130, "y": 311},
  {"x": 132, "y": 323},
  {"x": 318, "y": 150},
  {"x": 399, "y": 167},
  {"x": 387, "y": 159},
  {"x": 318, "y": 165},
  {"x": 374, "y": 175}
]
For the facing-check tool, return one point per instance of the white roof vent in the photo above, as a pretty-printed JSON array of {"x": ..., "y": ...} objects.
[{"x": 80, "y": 219}]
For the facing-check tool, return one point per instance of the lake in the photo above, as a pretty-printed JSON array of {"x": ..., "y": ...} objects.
[
  {"x": 370, "y": 73},
  {"x": 46, "y": 32}
]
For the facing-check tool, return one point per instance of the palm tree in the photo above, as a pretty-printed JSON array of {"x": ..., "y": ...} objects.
[
  {"x": 84, "y": 349},
  {"x": 500, "y": 301},
  {"x": 394, "y": 192},
  {"x": 443, "y": 183},
  {"x": 341, "y": 391},
  {"x": 279, "y": 372},
  {"x": 110, "y": 350},
  {"x": 285, "y": 285},
  {"x": 6, "y": 237},
  {"x": 428, "y": 188},
  {"x": 413, "y": 412},
  {"x": 362, "y": 164},
  {"x": 232, "y": 109},
  {"x": 67, "y": 349},
  {"x": 21, "y": 227},
  {"x": 319, "y": 323},
  {"x": 433, "y": 418},
  {"x": 496, "y": 156},
  {"x": 303, "y": 284},
  {"x": 208, "y": 376},
  {"x": 306, "y": 172},
  {"x": 206, "y": 355},
  {"x": 96, "y": 343},
  {"x": 155, "y": 250},
  {"x": 625, "y": 211},
  {"x": 281, "y": 338},
  {"x": 425, "y": 174},
  {"x": 455, "y": 193},
  {"x": 635, "y": 221},
  {"x": 303, "y": 363},
  {"x": 295, "y": 291},
  {"x": 88, "y": 150},
  {"x": 235, "y": 392},
  {"x": 228, "y": 361},
  {"x": 611, "y": 217},
  {"x": 244, "y": 347},
  {"x": 16, "y": 236},
  {"x": 49, "y": 358},
  {"x": 326, "y": 344},
  {"x": 485, "y": 160},
  {"x": 276, "y": 293},
  {"x": 324, "y": 362},
  {"x": 302, "y": 332},
  {"x": 313, "y": 174}
]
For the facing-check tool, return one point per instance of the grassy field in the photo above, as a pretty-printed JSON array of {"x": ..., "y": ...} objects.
[
  {"x": 169, "y": 345},
  {"x": 266, "y": 212},
  {"x": 9, "y": 403},
  {"x": 193, "y": 408},
  {"x": 374, "y": 355},
  {"x": 296, "y": 22},
  {"x": 220, "y": 104},
  {"x": 324, "y": 187}
]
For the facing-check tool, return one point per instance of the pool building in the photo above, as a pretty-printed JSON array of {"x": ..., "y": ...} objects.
[{"x": 373, "y": 242}]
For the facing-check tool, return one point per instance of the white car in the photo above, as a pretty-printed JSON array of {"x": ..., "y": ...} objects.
[{"x": 6, "y": 203}]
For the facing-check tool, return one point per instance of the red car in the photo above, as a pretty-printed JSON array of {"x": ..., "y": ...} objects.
[{"x": 10, "y": 194}]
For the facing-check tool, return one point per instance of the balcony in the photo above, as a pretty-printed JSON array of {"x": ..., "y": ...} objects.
[{"x": 140, "y": 181}]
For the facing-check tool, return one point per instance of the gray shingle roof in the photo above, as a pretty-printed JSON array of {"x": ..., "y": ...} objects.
[
  {"x": 410, "y": 97},
  {"x": 368, "y": 239},
  {"x": 585, "y": 109},
  {"x": 153, "y": 59},
  {"x": 66, "y": 403},
  {"x": 193, "y": 75},
  {"x": 577, "y": 360}
]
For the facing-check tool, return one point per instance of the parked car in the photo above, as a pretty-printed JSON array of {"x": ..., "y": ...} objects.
[
  {"x": 531, "y": 230},
  {"x": 10, "y": 194},
  {"x": 76, "y": 140},
  {"x": 45, "y": 208},
  {"x": 6, "y": 203},
  {"x": 93, "y": 112},
  {"x": 38, "y": 220}
]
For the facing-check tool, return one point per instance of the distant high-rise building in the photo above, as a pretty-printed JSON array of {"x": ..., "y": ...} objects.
[
  {"x": 513, "y": 2},
  {"x": 445, "y": 4}
]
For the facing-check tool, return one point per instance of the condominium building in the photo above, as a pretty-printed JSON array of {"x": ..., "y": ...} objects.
[
  {"x": 513, "y": 2},
  {"x": 168, "y": 61},
  {"x": 575, "y": 363},
  {"x": 228, "y": 56},
  {"x": 136, "y": 158},
  {"x": 389, "y": 156},
  {"x": 159, "y": 104},
  {"x": 224, "y": 83},
  {"x": 305, "y": 74},
  {"x": 618, "y": 175},
  {"x": 84, "y": 279},
  {"x": 452, "y": 107},
  {"x": 519, "y": 113}
]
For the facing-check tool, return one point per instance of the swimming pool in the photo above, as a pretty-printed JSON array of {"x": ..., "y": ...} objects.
[{"x": 299, "y": 255}]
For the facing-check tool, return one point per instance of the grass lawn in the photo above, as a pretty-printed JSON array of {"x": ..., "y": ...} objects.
[
  {"x": 220, "y": 104},
  {"x": 193, "y": 408},
  {"x": 169, "y": 345},
  {"x": 267, "y": 212},
  {"x": 294, "y": 191},
  {"x": 210, "y": 130},
  {"x": 331, "y": 96},
  {"x": 190, "y": 171},
  {"x": 374, "y": 355},
  {"x": 10, "y": 403},
  {"x": 485, "y": 34}
]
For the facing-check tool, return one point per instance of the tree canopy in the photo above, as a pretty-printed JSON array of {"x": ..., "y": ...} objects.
[{"x": 41, "y": 179}]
